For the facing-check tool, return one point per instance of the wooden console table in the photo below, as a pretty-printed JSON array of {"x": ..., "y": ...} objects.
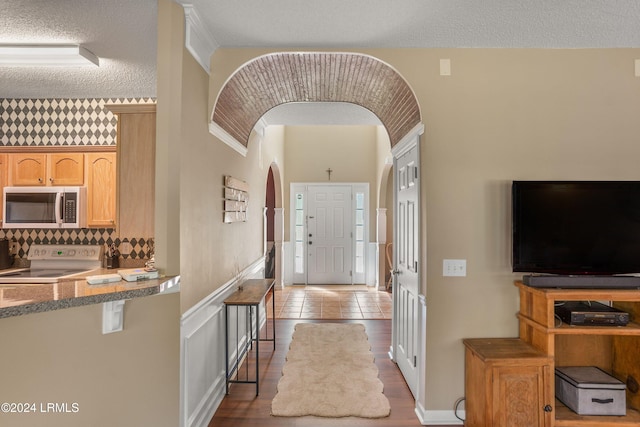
[{"x": 250, "y": 294}]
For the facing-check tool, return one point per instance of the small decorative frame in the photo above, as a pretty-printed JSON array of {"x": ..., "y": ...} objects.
[{"x": 236, "y": 200}]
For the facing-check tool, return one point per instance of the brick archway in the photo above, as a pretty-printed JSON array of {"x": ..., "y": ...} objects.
[{"x": 279, "y": 78}]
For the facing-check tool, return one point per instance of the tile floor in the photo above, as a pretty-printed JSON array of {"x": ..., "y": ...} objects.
[{"x": 332, "y": 302}]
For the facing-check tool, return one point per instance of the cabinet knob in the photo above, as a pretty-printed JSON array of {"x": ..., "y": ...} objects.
[
  {"x": 51, "y": 180},
  {"x": 548, "y": 408},
  {"x": 40, "y": 180}
]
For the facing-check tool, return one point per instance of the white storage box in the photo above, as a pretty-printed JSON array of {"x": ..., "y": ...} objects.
[{"x": 588, "y": 390}]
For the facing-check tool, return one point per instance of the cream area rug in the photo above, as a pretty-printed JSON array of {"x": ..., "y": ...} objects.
[{"x": 330, "y": 372}]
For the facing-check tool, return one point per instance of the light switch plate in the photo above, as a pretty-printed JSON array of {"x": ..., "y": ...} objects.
[{"x": 454, "y": 267}]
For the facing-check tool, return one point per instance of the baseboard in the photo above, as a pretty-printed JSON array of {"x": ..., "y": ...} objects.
[
  {"x": 443, "y": 418},
  {"x": 202, "y": 352}
]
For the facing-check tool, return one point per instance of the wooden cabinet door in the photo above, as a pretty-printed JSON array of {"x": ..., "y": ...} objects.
[
  {"x": 101, "y": 183},
  {"x": 508, "y": 383},
  {"x": 28, "y": 169},
  {"x": 66, "y": 169},
  {"x": 136, "y": 166},
  {"x": 519, "y": 396}
]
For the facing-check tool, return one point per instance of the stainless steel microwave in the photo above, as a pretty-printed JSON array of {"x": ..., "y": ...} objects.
[{"x": 44, "y": 207}]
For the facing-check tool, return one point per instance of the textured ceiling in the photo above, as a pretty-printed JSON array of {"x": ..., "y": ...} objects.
[
  {"x": 123, "y": 32},
  {"x": 280, "y": 78},
  {"x": 422, "y": 23}
]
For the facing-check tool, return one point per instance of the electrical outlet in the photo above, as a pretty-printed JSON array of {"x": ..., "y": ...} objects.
[
  {"x": 454, "y": 267},
  {"x": 125, "y": 248},
  {"x": 445, "y": 67}
]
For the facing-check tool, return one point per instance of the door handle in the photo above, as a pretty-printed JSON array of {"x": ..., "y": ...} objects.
[
  {"x": 310, "y": 242},
  {"x": 310, "y": 235},
  {"x": 395, "y": 272}
]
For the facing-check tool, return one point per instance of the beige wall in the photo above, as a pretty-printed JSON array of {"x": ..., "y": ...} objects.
[
  {"x": 169, "y": 107},
  {"x": 503, "y": 114},
  {"x": 348, "y": 150},
  {"x": 209, "y": 252},
  {"x": 128, "y": 378}
]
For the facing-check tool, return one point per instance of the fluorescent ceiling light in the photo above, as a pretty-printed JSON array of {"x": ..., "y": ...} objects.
[{"x": 27, "y": 55}]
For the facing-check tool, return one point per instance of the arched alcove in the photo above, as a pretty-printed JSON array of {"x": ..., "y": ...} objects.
[{"x": 279, "y": 78}]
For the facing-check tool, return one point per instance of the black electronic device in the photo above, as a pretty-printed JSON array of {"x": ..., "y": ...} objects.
[
  {"x": 590, "y": 313},
  {"x": 576, "y": 229}
]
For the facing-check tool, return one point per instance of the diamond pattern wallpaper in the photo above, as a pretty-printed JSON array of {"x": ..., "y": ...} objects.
[
  {"x": 65, "y": 122},
  {"x": 55, "y": 122}
]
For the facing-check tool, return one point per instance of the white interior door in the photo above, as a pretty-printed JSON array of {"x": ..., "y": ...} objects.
[
  {"x": 329, "y": 240},
  {"x": 406, "y": 280}
]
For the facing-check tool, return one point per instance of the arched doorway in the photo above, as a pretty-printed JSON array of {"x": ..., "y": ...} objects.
[
  {"x": 270, "y": 249},
  {"x": 281, "y": 78},
  {"x": 273, "y": 227},
  {"x": 272, "y": 80},
  {"x": 385, "y": 227}
]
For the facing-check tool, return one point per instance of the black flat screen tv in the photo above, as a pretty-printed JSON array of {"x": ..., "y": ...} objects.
[{"x": 576, "y": 227}]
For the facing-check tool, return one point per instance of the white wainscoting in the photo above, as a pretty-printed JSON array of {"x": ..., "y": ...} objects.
[
  {"x": 287, "y": 254},
  {"x": 428, "y": 417},
  {"x": 202, "y": 351},
  {"x": 371, "y": 265}
]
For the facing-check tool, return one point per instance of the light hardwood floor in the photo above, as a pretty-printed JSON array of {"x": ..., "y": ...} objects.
[
  {"x": 242, "y": 408},
  {"x": 309, "y": 304}
]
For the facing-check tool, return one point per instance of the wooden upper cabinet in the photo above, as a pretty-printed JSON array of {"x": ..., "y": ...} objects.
[
  {"x": 94, "y": 169},
  {"x": 101, "y": 190},
  {"x": 136, "y": 169},
  {"x": 66, "y": 169},
  {"x": 28, "y": 169},
  {"x": 41, "y": 169}
]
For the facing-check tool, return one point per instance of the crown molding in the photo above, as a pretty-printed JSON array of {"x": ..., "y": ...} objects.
[{"x": 198, "y": 40}]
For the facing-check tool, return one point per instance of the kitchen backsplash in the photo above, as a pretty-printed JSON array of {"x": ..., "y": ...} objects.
[
  {"x": 55, "y": 122},
  {"x": 141, "y": 248},
  {"x": 65, "y": 122}
]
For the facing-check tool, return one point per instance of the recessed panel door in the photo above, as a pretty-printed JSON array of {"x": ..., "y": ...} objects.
[
  {"x": 405, "y": 285},
  {"x": 329, "y": 240}
]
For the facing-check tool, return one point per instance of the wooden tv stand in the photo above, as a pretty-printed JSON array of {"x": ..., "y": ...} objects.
[{"x": 615, "y": 349}]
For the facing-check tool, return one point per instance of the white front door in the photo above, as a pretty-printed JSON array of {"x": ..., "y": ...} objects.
[
  {"x": 406, "y": 248},
  {"x": 329, "y": 240}
]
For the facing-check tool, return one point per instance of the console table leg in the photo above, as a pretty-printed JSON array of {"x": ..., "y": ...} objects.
[
  {"x": 226, "y": 349},
  {"x": 257, "y": 349}
]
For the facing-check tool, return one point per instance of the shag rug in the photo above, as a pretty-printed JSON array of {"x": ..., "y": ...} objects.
[{"x": 330, "y": 372}]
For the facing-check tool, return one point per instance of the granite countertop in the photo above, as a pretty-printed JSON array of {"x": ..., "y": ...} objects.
[{"x": 19, "y": 299}]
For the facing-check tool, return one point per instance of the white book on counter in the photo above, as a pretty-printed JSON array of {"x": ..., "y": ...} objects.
[
  {"x": 135, "y": 274},
  {"x": 100, "y": 279}
]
